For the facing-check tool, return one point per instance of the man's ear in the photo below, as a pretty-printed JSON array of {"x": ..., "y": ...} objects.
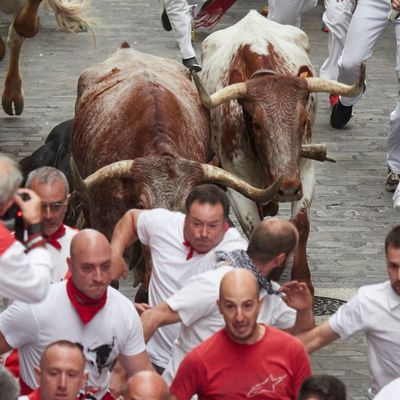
[
  {"x": 219, "y": 305},
  {"x": 37, "y": 374},
  {"x": 69, "y": 263},
  {"x": 85, "y": 377},
  {"x": 280, "y": 259}
]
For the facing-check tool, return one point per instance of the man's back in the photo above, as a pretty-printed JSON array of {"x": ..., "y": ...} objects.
[{"x": 222, "y": 368}]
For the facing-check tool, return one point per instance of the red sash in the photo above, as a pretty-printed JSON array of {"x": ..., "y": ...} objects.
[
  {"x": 210, "y": 14},
  {"x": 35, "y": 395}
]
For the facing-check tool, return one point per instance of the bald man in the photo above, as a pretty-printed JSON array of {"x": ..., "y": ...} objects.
[
  {"x": 83, "y": 309},
  {"x": 195, "y": 305},
  {"x": 146, "y": 385},
  {"x": 61, "y": 373},
  {"x": 250, "y": 354}
]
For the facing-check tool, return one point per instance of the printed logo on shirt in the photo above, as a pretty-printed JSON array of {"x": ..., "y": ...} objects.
[
  {"x": 267, "y": 386},
  {"x": 102, "y": 356}
]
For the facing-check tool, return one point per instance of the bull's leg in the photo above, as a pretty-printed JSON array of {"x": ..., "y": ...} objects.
[
  {"x": 27, "y": 22},
  {"x": 245, "y": 210},
  {"x": 300, "y": 218},
  {"x": 2, "y": 49},
  {"x": 13, "y": 96}
]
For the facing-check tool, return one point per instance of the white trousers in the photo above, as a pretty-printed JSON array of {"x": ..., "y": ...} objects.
[
  {"x": 179, "y": 15},
  {"x": 337, "y": 17},
  {"x": 288, "y": 12},
  {"x": 369, "y": 20}
]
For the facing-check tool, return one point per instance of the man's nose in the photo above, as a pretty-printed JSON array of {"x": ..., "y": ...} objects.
[
  {"x": 204, "y": 231},
  {"x": 239, "y": 314},
  {"x": 62, "y": 382},
  {"x": 46, "y": 212}
]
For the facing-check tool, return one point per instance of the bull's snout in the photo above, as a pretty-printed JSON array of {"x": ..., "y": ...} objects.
[{"x": 290, "y": 190}]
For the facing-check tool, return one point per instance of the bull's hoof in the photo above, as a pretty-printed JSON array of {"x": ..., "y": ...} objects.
[
  {"x": 12, "y": 105},
  {"x": 2, "y": 49}
]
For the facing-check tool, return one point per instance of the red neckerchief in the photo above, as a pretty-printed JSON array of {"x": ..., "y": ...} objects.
[
  {"x": 192, "y": 249},
  {"x": 53, "y": 238},
  {"x": 85, "y": 306},
  {"x": 34, "y": 395}
]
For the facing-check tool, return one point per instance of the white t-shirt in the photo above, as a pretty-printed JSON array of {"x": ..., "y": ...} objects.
[
  {"x": 197, "y": 307},
  {"x": 376, "y": 311},
  {"x": 162, "y": 231},
  {"x": 390, "y": 392},
  {"x": 59, "y": 256},
  {"x": 23, "y": 277},
  {"x": 114, "y": 330}
]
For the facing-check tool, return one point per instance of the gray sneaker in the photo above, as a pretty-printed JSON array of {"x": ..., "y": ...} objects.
[{"x": 392, "y": 181}]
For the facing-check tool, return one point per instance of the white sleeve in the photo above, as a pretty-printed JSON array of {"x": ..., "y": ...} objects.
[
  {"x": 134, "y": 342},
  {"x": 23, "y": 277},
  {"x": 349, "y": 318},
  {"x": 18, "y": 325},
  {"x": 275, "y": 312},
  {"x": 149, "y": 223},
  {"x": 198, "y": 298}
]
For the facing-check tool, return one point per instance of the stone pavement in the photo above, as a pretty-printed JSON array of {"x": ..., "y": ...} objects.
[{"x": 351, "y": 211}]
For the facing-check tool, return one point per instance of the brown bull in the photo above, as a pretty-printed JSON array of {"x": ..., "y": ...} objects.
[{"x": 263, "y": 108}]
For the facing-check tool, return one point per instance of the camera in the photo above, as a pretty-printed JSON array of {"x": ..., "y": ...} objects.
[{"x": 14, "y": 213}]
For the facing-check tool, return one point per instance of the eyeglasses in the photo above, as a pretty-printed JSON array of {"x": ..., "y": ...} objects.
[{"x": 54, "y": 207}]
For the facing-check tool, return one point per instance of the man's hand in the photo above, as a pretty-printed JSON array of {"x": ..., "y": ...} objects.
[
  {"x": 396, "y": 5},
  {"x": 298, "y": 295},
  {"x": 142, "y": 307},
  {"x": 30, "y": 208},
  {"x": 119, "y": 269}
]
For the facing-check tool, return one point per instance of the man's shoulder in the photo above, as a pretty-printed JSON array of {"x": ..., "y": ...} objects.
[{"x": 118, "y": 300}]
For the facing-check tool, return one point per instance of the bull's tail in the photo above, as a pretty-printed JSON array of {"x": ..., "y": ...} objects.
[{"x": 70, "y": 14}]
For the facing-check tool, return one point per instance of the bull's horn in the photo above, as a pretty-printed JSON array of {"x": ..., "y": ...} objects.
[
  {"x": 116, "y": 170},
  {"x": 78, "y": 184},
  {"x": 218, "y": 175},
  {"x": 333, "y": 87},
  {"x": 315, "y": 152},
  {"x": 234, "y": 91}
]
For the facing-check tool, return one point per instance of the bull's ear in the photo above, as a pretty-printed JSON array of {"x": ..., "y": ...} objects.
[
  {"x": 236, "y": 77},
  {"x": 304, "y": 72}
]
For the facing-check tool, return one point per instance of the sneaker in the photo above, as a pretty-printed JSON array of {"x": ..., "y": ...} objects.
[
  {"x": 333, "y": 99},
  {"x": 392, "y": 181},
  {"x": 192, "y": 64},
  {"x": 340, "y": 115},
  {"x": 165, "y": 21}
]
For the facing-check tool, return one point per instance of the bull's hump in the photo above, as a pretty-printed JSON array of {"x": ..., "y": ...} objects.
[{"x": 257, "y": 32}]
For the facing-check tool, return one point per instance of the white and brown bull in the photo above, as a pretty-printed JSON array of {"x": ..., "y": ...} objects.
[
  {"x": 25, "y": 24},
  {"x": 263, "y": 107},
  {"x": 140, "y": 138}
]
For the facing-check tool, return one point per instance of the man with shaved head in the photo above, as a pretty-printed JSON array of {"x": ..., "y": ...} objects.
[
  {"x": 195, "y": 305},
  {"x": 82, "y": 309},
  {"x": 61, "y": 372},
  {"x": 146, "y": 385},
  {"x": 246, "y": 358}
]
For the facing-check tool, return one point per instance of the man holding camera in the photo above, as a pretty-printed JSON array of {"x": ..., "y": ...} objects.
[{"x": 24, "y": 271}]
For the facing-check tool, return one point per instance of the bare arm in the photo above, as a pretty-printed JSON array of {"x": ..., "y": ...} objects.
[
  {"x": 298, "y": 297},
  {"x": 160, "y": 315},
  {"x": 318, "y": 337},
  {"x": 125, "y": 233},
  {"x": 136, "y": 363}
]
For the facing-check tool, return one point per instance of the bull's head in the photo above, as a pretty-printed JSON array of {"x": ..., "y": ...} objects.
[
  {"x": 275, "y": 113},
  {"x": 159, "y": 181}
]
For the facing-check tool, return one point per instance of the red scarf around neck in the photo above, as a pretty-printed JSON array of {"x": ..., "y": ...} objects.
[
  {"x": 53, "y": 238},
  {"x": 85, "y": 306}
]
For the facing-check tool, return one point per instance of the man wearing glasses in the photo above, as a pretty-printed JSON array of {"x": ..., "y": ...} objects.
[{"x": 51, "y": 185}]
